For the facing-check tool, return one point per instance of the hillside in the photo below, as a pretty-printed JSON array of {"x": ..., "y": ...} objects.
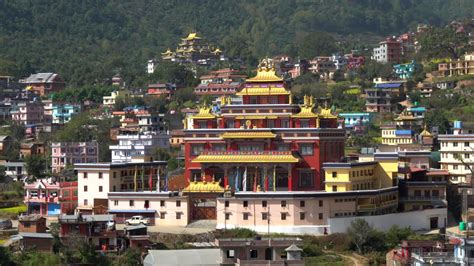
[{"x": 88, "y": 41}]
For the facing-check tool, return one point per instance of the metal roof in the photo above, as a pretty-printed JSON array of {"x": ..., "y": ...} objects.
[
  {"x": 210, "y": 256},
  {"x": 36, "y": 235}
]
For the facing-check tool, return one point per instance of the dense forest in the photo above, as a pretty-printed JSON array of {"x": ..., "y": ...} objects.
[{"x": 89, "y": 41}]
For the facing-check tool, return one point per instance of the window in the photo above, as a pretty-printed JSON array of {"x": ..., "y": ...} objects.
[
  {"x": 230, "y": 253},
  {"x": 84, "y": 174},
  {"x": 253, "y": 100},
  {"x": 115, "y": 174},
  {"x": 283, "y": 216},
  {"x": 162, "y": 215},
  {"x": 131, "y": 203},
  {"x": 306, "y": 149},
  {"x": 304, "y": 123},
  {"x": 115, "y": 202},
  {"x": 114, "y": 188},
  {"x": 100, "y": 188},
  {"x": 455, "y": 167},
  {"x": 466, "y": 155},
  {"x": 85, "y": 202},
  {"x": 302, "y": 216},
  {"x": 85, "y": 188},
  {"x": 264, "y": 203},
  {"x": 147, "y": 204},
  {"x": 283, "y": 203},
  {"x": 253, "y": 254},
  {"x": 466, "y": 144},
  {"x": 227, "y": 216},
  {"x": 246, "y": 216},
  {"x": 178, "y": 203},
  {"x": 285, "y": 123},
  {"x": 75, "y": 193},
  {"x": 273, "y": 100},
  {"x": 455, "y": 144},
  {"x": 334, "y": 188},
  {"x": 270, "y": 123},
  {"x": 283, "y": 147},
  {"x": 230, "y": 124},
  {"x": 202, "y": 124},
  {"x": 26, "y": 224},
  {"x": 320, "y": 203},
  {"x": 162, "y": 203},
  {"x": 65, "y": 193},
  {"x": 218, "y": 147},
  {"x": 435, "y": 193},
  {"x": 305, "y": 179},
  {"x": 226, "y": 203},
  {"x": 100, "y": 174},
  {"x": 302, "y": 203},
  {"x": 196, "y": 149},
  {"x": 178, "y": 216},
  {"x": 246, "y": 204},
  {"x": 320, "y": 216},
  {"x": 334, "y": 174},
  {"x": 264, "y": 216}
]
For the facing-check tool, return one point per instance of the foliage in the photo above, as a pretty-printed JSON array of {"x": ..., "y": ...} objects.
[
  {"x": 36, "y": 165},
  {"x": 131, "y": 257},
  {"x": 35, "y": 258},
  {"x": 326, "y": 260},
  {"x": 315, "y": 44},
  {"x": 170, "y": 72},
  {"x": 5, "y": 256},
  {"x": 14, "y": 210},
  {"x": 359, "y": 232},
  {"x": 443, "y": 42},
  {"x": 237, "y": 233},
  {"x": 87, "y": 42},
  {"x": 92, "y": 93}
]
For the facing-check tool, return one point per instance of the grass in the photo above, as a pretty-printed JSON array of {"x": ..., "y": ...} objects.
[
  {"x": 326, "y": 260},
  {"x": 2, "y": 241},
  {"x": 13, "y": 210}
]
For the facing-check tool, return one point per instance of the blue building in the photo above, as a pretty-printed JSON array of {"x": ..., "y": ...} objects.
[
  {"x": 356, "y": 119},
  {"x": 63, "y": 113},
  {"x": 405, "y": 71}
]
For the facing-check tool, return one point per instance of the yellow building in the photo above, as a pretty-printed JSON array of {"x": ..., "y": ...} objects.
[
  {"x": 393, "y": 136},
  {"x": 342, "y": 177}
]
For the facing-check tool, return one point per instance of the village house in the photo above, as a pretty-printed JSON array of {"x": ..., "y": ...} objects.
[
  {"x": 44, "y": 83},
  {"x": 64, "y": 154}
]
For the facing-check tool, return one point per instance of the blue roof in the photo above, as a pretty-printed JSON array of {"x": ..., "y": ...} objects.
[
  {"x": 417, "y": 109},
  {"x": 134, "y": 211},
  {"x": 354, "y": 114},
  {"x": 403, "y": 132},
  {"x": 388, "y": 85}
]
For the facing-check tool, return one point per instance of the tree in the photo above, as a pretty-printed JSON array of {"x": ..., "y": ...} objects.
[
  {"x": 359, "y": 233},
  {"x": 443, "y": 42},
  {"x": 315, "y": 44},
  {"x": 131, "y": 257},
  {"x": 36, "y": 165}
]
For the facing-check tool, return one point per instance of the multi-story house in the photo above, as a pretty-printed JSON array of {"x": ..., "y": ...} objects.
[
  {"x": 63, "y": 113},
  {"x": 65, "y": 154},
  {"x": 340, "y": 61},
  {"x": 28, "y": 113},
  {"x": 391, "y": 135},
  {"x": 165, "y": 90},
  {"x": 151, "y": 66},
  {"x": 140, "y": 134},
  {"x": 464, "y": 66},
  {"x": 219, "y": 83},
  {"x": 109, "y": 100},
  {"x": 99, "y": 230},
  {"x": 47, "y": 197},
  {"x": 44, "y": 83},
  {"x": 354, "y": 61},
  {"x": 356, "y": 122},
  {"x": 97, "y": 180},
  {"x": 382, "y": 98},
  {"x": 457, "y": 153},
  {"x": 388, "y": 51},
  {"x": 322, "y": 65}
]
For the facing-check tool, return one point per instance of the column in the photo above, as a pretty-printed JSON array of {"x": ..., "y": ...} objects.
[
  {"x": 226, "y": 178},
  {"x": 290, "y": 178}
]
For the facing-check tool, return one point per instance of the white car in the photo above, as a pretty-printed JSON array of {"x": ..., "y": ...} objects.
[{"x": 136, "y": 220}]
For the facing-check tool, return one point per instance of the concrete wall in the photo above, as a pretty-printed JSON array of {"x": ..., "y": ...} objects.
[{"x": 417, "y": 220}]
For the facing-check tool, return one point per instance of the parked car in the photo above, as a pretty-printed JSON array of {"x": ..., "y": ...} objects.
[{"x": 136, "y": 220}]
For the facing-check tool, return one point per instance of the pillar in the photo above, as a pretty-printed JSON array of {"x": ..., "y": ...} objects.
[
  {"x": 226, "y": 178},
  {"x": 290, "y": 179}
]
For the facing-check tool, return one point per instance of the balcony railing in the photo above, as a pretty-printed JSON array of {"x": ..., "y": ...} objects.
[
  {"x": 369, "y": 207},
  {"x": 421, "y": 198},
  {"x": 246, "y": 153}
]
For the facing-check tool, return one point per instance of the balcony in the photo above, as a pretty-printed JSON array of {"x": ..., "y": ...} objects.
[
  {"x": 371, "y": 207},
  {"x": 42, "y": 199},
  {"x": 246, "y": 157},
  {"x": 424, "y": 199}
]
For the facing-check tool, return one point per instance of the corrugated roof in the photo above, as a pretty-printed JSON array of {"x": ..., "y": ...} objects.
[
  {"x": 388, "y": 85},
  {"x": 36, "y": 235},
  {"x": 209, "y": 256}
]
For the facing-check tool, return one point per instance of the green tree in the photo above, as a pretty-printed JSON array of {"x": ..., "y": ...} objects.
[
  {"x": 443, "y": 42},
  {"x": 36, "y": 165},
  {"x": 359, "y": 232},
  {"x": 316, "y": 43},
  {"x": 131, "y": 257}
]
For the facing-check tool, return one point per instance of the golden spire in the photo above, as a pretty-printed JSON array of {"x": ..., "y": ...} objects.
[
  {"x": 266, "y": 72},
  {"x": 306, "y": 108},
  {"x": 425, "y": 132}
]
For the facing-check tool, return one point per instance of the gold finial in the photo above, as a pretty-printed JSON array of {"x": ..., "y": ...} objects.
[
  {"x": 311, "y": 100},
  {"x": 290, "y": 100}
]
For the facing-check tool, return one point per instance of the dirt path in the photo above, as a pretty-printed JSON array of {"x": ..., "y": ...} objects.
[{"x": 356, "y": 261}]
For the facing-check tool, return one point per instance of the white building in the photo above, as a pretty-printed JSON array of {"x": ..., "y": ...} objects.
[
  {"x": 151, "y": 66},
  {"x": 141, "y": 133},
  {"x": 459, "y": 144},
  {"x": 109, "y": 100}
]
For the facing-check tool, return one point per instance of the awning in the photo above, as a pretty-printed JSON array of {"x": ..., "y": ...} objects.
[{"x": 246, "y": 158}]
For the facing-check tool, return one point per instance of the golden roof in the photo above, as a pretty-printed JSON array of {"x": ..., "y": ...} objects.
[
  {"x": 248, "y": 135},
  {"x": 204, "y": 186},
  {"x": 425, "y": 133},
  {"x": 167, "y": 52},
  {"x": 217, "y": 51},
  {"x": 306, "y": 109},
  {"x": 266, "y": 72},
  {"x": 256, "y": 117},
  {"x": 263, "y": 91},
  {"x": 204, "y": 113},
  {"x": 326, "y": 113},
  {"x": 191, "y": 36},
  {"x": 246, "y": 158}
]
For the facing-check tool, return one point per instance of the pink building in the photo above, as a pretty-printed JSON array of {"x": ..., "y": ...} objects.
[
  {"x": 48, "y": 197},
  {"x": 28, "y": 113},
  {"x": 70, "y": 153},
  {"x": 354, "y": 61}
]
